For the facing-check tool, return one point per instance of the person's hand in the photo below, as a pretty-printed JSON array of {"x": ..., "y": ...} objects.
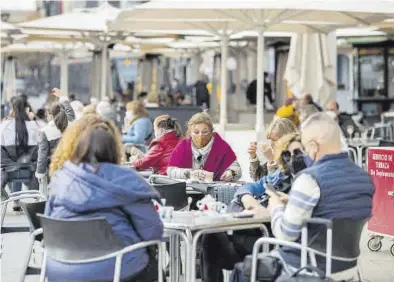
[
  {"x": 198, "y": 174},
  {"x": 260, "y": 211},
  {"x": 268, "y": 152},
  {"x": 252, "y": 149},
  {"x": 249, "y": 202},
  {"x": 284, "y": 198},
  {"x": 227, "y": 176},
  {"x": 275, "y": 200},
  {"x": 56, "y": 92},
  {"x": 31, "y": 115}
]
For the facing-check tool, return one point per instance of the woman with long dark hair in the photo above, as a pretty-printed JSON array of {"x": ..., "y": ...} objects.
[
  {"x": 19, "y": 139},
  {"x": 60, "y": 114}
]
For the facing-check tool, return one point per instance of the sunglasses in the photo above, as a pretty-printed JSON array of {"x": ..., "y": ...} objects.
[{"x": 286, "y": 155}]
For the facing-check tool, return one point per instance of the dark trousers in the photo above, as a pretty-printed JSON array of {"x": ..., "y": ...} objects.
[
  {"x": 221, "y": 251},
  {"x": 268, "y": 94},
  {"x": 149, "y": 274}
]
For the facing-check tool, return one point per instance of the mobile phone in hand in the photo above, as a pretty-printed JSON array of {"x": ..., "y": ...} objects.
[{"x": 271, "y": 188}]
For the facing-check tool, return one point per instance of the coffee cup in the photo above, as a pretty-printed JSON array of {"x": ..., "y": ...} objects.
[
  {"x": 212, "y": 206},
  {"x": 209, "y": 176},
  {"x": 166, "y": 212}
]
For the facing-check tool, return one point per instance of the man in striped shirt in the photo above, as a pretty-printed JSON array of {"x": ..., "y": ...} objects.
[{"x": 334, "y": 187}]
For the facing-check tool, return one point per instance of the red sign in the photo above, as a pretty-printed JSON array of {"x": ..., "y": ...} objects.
[{"x": 381, "y": 171}]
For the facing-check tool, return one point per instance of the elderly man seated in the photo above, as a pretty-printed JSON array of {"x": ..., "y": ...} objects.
[{"x": 333, "y": 187}]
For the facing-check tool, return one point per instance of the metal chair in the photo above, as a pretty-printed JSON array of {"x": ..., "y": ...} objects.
[
  {"x": 382, "y": 130},
  {"x": 173, "y": 191},
  {"x": 31, "y": 210},
  {"x": 12, "y": 197},
  {"x": 353, "y": 154},
  {"x": 385, "y": 143},
  {"x": 86, "y": 241},
  {"x": 342, "y": 234}
]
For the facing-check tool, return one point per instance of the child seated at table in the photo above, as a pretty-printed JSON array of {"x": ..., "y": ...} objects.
[
  {"x": 202, "y": 153},
  {"x": 168, "y": 133}
]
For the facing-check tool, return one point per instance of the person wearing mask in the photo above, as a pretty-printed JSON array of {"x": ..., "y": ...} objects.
[
  {"x": 203, "y": 152},
  {"x": 60, "y": 114},
  {"x": 106, "y": 111},
  {"x": 277, "y": 129},
  {"x": 18, "y": 139},
  {"x": 344, "y": 120},
  {"x": 308, "y": 100},
  {"x": 168, "y": 133},
  {"x": 139, "y": 127},
  {"x": 221, "y": 251},
  {"x": 333, "y": 187},
  {"x": 92, "y": 183}
]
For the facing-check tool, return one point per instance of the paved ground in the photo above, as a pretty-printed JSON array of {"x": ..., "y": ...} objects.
[{"x": 376, "y": 267}]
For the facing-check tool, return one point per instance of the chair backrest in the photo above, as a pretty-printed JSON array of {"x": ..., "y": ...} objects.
[
  {"x": 174, "y": 193},
  {"x": 346, "y": 235},
  {"x": 385, "y": 143},
  {"x": 79, "y": 239},
  {"x": 31, "y": 210},
  {"x": 160, "y": 179}
]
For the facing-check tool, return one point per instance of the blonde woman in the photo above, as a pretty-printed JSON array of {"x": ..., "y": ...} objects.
[
  {"x": 91, "y": 182},
  {"x": 203, "y": 152},
  {"x": 138, "y": 126},
  {"x": 278, "y": 128},
  {"x": 67, "y": 143}
]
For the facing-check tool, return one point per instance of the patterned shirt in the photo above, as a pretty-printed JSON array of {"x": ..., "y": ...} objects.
[{"x": 303, "y": 197}]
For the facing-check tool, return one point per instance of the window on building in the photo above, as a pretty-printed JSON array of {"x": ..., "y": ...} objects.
[
  {"x": 371, "y": 63},
  {"x": 343, "y": 74},
  {"x": 391, "y": 72}
]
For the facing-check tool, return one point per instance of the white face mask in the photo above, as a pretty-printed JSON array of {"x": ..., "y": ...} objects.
[
  {"x": 129, "y": 115},
  {"x": 332, "y": 114},
  {"x": 158, "y": 134}
]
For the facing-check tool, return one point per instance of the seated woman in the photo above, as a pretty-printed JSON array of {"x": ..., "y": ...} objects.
[
  {"x": 18, "y": 140},
  {"x": 60, "y": 114},
  {"x": 277, "y": 129},
  {"x": 221, "y": 251},
  {"x": 289, "y": 158},
  {"x": 202, "y": 152},
  {"x": 168, "y": 132},
  {"x": 92, "y": 184},
  {"x": 138, "y": 126}
]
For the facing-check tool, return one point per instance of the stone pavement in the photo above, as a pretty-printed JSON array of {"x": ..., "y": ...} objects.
[{"x": 376, "y": 267}]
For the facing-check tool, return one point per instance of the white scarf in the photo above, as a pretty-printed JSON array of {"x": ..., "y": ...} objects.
[{"x": 200, "y": 155}]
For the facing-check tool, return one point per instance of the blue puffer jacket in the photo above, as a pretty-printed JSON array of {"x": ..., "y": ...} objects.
[
  {"x": 139, "y": 132},
  {"x": 116, "y": 193}
]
